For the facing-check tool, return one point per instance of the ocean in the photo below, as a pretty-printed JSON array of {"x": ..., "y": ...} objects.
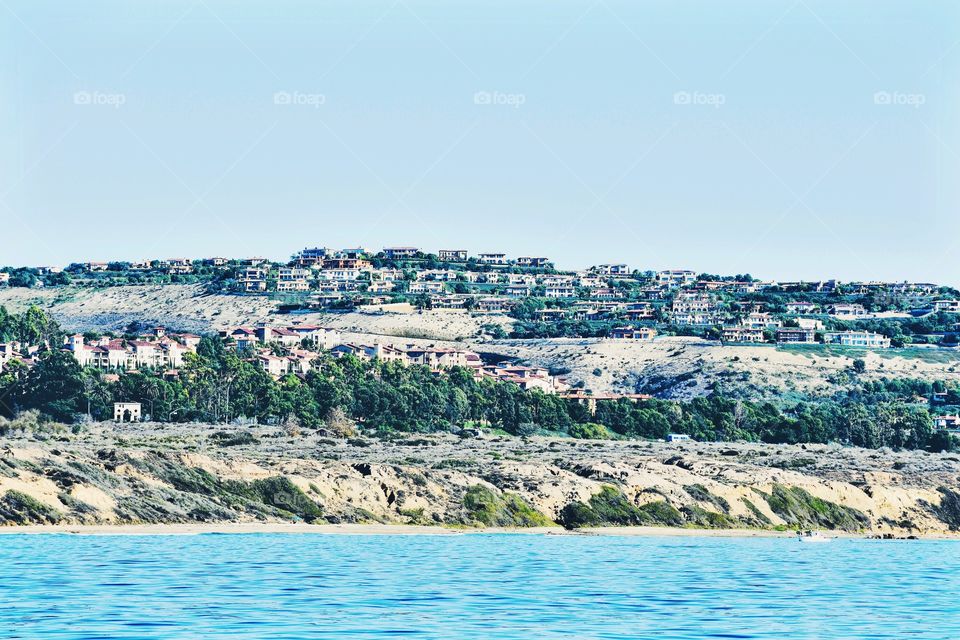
[{"x": 474, "y": 586}]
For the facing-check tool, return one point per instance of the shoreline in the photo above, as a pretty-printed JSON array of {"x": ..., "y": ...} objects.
[{"x": 241, "y": 528}]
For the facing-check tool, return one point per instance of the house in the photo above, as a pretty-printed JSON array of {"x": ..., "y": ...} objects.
[
  {"x": 796, "y": 335},
  {"x": 517, "y": 292},
  {"x": 950, "y": 423},
  {"x": 866, "y": 339},
  {"x": 694, "y": 309},
  {"x": 676, "y": 277},
  {"x": 550, "y": 315},
  {"x": 760, "y": 320},
  {"x": 740, "y": 333},
  {"x": 217, "y": 262},
  {"x": 528, "y": 261},
  {"x": 96, "y": 266},
  {"x": 560, "y": 291},
  {"x": 810, "y": 323},
  {"x": 4, "y": 278},
  {"x": 286, "y": 286},
  {"x": 254, "y": 262},
  {"x": 946, "y": 306},
  {"x": 448, "y": 302},
  {"x": 802, "y": 308},
  {"x": 494, "y": 305},
  {"x": 381, "y": 287},
  {"x": 286, "y": 274},
  {"x": 452, "y": 255},
  {"x": 493, "y": 259},
  {"x": 848, "y": 311},
  {"x": 255, "y": 286},
  {"x": 631, "y": 333},
  {"x": 606, "y": 294},
  {"x": 309, "y": 256},
  {"x": 611, "y": 269},
  {"x": 640, "y": 311},
  {"x": 426, "y": 287},
  {"x": 590, "y": 399},
  {"x": 400, "y": 253},
  {"x": 126, "y": 412},
  {"x": 677, "y": 437}
]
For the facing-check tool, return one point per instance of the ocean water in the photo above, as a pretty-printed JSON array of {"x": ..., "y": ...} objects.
[{"x": 474, "y": 586}]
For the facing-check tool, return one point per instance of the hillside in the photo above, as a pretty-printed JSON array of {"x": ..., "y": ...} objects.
[
  {"x": 150, "y": 473},
  {"x": 672, "y": 367}
]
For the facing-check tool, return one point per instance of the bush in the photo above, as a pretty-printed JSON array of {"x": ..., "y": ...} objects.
[
  {"x": 486, "y": 508},
  {"x": 590, "y": 431}
]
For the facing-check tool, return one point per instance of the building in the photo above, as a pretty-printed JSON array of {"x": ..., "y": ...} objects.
[
  {"x": 4, "y": 278},
  {"x": 493, "y": 259},
  {"x": 611, "y": 269},
  {"x": 126, "y": 412},
  {"x": 676, "y": 277},
  {"x": 452, "y": 255},
  {"x": 946, "y": 306},
  {"x": 632, "y": 333},
  {"x": 848, "y": 311},
  {"x": 740, "y": 333},
  {"x": 528, "y": 261},
  {"x": 400, "y": 253},
  {"x": 677, "y": 437},
  {"x": 560, "y": 291},
  {"x": 796, "y": 335},
  {"x": 802, "y": 308},
  {"x": 866, "y": 339},
  {"x": 427, "y": 287},
  {"x": 949, "y": 423}
]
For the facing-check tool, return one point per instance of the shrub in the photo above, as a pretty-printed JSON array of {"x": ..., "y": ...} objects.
[
  {"x": 590, "y": 431},
  {"x": 487, "y": 508}
]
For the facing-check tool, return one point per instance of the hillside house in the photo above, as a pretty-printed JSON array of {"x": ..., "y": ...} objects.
[
  {"x": 400, "y": 253},
  {"x": 493, "y": 259},
  {"x": 452, "y": 255},
  {"x": 847, "y": 311},
  {"x": 633, "y": 333},
  {"x": 560, "y": 291},
  {"x": 866, "y": 339},
  {"x": 796, "y": 335},
  {"x": 676, "y": 278},
  {"x": 529, "y": 261},
  {"x": 740, "y": 333},
  {"x": 611, "y": 269}
]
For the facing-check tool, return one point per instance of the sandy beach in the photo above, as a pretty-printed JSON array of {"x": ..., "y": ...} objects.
[{"x": 399, "y": 529}]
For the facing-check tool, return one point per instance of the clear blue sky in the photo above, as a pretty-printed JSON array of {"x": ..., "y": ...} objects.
[{"x": 742, "y": 136}]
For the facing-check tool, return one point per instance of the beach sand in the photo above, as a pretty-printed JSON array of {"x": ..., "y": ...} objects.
[{"x": 399, "y": 529}]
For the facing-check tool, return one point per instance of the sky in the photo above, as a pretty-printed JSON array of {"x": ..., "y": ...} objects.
[{"x": 789, "y": 139}]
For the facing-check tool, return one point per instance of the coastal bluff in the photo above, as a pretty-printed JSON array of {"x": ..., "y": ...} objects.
[{"x": 107, "y": 474}]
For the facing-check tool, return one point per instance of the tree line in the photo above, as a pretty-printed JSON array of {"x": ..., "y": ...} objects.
[{"x": 219, "y": 385}]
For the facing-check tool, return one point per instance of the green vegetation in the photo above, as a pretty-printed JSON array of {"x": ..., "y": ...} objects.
[
  {"x": 487, "y": 508},
  {"x": 219, "y": 385},
  {"x": 798, "y": 508},
  {"x": 610, "y": 507},
  {"x": 19, "y": 508}
]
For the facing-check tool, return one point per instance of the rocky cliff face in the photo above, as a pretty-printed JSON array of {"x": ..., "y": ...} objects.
[{"x": 201, "y": 473}]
